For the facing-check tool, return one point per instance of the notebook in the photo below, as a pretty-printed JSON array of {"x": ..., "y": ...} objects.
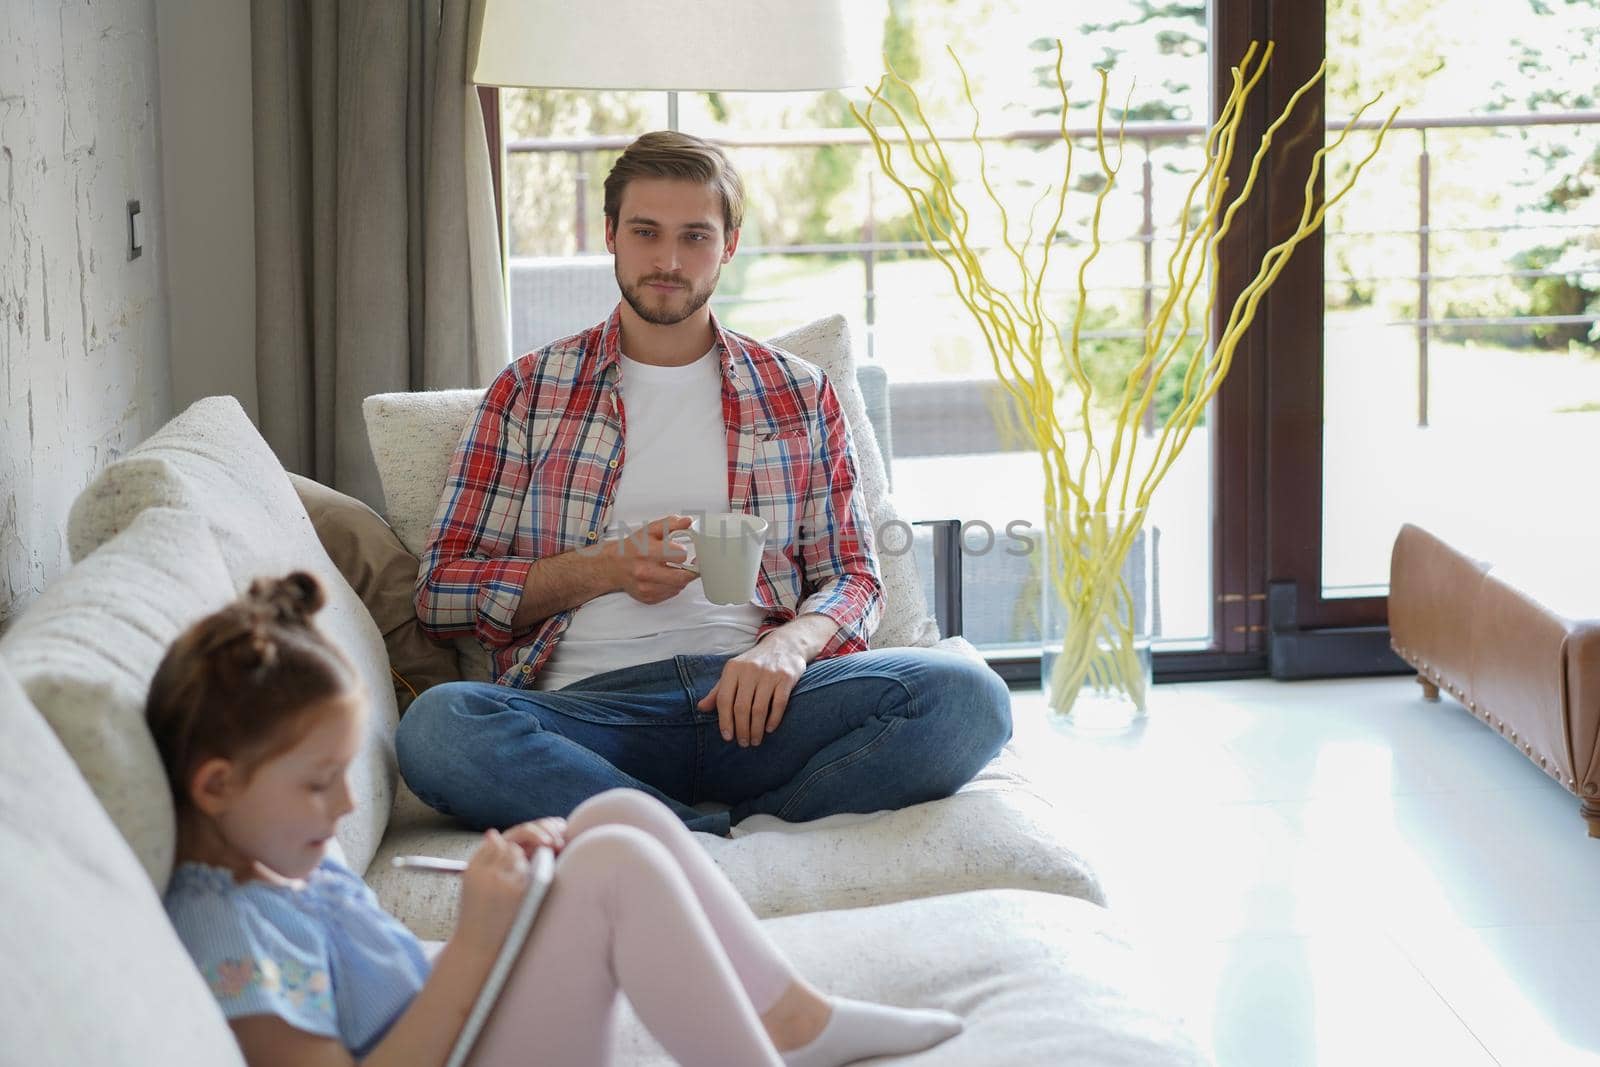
[{"x": 541, "y": 873}]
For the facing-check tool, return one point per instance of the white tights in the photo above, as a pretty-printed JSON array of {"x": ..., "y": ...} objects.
[{"x": 638, "y": 907}]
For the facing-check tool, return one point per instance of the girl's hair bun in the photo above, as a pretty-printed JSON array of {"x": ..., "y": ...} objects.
[
  {"x": 248, "y": 634},
  {"x": 253, "y": 649},
  {"x": 294, "y": 598}
]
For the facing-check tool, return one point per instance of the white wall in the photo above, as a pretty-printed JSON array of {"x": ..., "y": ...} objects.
[
  {"x": 84, "y": 370},
  {"x": 208, "y": 174}
]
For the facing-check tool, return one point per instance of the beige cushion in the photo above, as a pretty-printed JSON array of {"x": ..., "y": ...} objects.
[
  {"x": 382, "y": 572},
  {"x": 1040, "y": 980},
  {"x": 413, "y": 436},
  {"x": 86, "y": 650},
  {"x": 210, "y": 461},
  {"x": 997, "y": 831},
  {"x": 93, "y": 971}
]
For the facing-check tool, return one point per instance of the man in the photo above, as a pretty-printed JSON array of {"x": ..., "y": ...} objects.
[{"x": 552, "y": 545}]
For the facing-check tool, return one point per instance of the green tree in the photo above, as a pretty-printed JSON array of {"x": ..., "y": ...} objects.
[
  {"x": 1564, "y": 189},
  {"x": 1173, "y": 32},
  {"x": 1428, "y": 58},
  {"x": 1167, "y": 40},
  {"x": 541, "y": 214}
]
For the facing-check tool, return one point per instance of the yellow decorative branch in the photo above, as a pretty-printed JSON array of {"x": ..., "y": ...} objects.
[{"x": 1095, "y": 507}]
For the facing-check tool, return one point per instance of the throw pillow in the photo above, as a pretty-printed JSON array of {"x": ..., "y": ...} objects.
[
  {"x": 382, "y": 572},
  {"x": 906, "y": 620},
  {"x": 210, "y": 460},
  {"x": 85, "y": 652}
]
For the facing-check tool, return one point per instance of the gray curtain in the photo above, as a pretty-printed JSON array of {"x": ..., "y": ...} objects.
[{"x": 377, "y": 248}]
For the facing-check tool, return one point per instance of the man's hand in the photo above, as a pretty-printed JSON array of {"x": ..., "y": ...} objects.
[
  {"x": 646, "y": 565},
  {"x": 643, "y": 565},
  {"x": 753, "y": 692}
]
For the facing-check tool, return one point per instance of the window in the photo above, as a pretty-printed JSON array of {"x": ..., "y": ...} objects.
[
  {"x": 826, "y": 233},
  {"x": 1462, "y": 284},
  {"x": 1443, "y": 292}
]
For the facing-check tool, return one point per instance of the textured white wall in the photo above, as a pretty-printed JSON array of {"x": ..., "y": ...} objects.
[{"x": 84, "y": 370}]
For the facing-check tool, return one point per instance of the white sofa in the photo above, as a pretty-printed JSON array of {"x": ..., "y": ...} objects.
[{"x": 976, "y": 903}]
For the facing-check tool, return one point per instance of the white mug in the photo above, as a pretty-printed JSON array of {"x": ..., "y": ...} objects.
[{"x": 727, "y": 554}]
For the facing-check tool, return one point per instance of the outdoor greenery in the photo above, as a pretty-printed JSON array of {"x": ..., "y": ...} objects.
[
  {"x": 1515, "y": 199},
  {"x": 1514, "y": 211},
  {"x": 1571, "y": 172}
]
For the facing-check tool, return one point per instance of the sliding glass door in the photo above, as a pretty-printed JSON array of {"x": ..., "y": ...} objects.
[
  {"x": 1427, "y": 357},
  {"x": 1461, "y": 378},
  {"x": 1430, "y": 357}
]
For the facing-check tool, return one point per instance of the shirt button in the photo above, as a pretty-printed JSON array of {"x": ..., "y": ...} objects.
[
  {"x": 613, "y": 464},
  {"x": 594, "y": 535}
]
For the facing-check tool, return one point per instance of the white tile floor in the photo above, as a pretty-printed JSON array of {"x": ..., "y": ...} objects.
[{"x": 1337, "y": 872}]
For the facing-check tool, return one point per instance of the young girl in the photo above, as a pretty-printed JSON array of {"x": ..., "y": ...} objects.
[{"x": 258, "y": 716}]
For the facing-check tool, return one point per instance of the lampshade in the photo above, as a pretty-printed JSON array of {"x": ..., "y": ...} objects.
[{"x": 699, "y": 45}]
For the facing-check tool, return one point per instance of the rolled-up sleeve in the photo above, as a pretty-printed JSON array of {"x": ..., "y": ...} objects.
[
  {"x": 468, "y": 583},
  {"x": 841, "y": 571}
]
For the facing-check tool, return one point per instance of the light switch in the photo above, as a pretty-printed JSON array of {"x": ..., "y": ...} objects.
[{"x": 135, "y": 230}]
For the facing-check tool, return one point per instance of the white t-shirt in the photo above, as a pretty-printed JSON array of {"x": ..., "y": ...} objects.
[{"x": 675, "y": 461}]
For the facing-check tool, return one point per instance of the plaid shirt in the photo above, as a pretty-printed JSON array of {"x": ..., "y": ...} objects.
[{"x": 536, "y": 470}]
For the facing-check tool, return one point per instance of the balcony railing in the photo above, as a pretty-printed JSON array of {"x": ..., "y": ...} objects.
[
  {"x": 1145, "y": 137},
  {"x": 952, "y": 419}
]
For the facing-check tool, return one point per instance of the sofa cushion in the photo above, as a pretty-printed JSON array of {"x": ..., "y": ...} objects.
[
  {"x": 1040, "y": 980},
  {"x": 413, "y": 436},
  {"x": 996, "y": 831},
  {"x": 93, "y": 971},
  {"x": 210, "y": 461},
  {"x": 86, "y": 650},
  {"x": 381, "y": 571}
]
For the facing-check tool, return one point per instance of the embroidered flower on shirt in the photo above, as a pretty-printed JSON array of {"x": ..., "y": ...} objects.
[
  {"x": 302, "y": 986},
  {"x": 231, "y": 978}
]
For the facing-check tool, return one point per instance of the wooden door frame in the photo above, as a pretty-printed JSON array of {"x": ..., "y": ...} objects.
[{"x": 1268, "y": 446}]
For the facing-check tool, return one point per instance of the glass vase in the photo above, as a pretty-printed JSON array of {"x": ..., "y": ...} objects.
[{"x": 1098, "y": 581}]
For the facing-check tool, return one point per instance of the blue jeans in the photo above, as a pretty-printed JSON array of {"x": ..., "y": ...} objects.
[{"x": 864, "y": 732}]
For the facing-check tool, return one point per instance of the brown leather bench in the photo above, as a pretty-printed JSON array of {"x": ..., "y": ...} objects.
[{"x": 1518, "y": 648}]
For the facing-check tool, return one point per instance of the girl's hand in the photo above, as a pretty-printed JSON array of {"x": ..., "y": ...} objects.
[
  {"x": 491, "y": 889},
  {"x": 548, "y": 833}
]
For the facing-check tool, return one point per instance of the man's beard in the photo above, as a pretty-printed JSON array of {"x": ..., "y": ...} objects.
[{"x": 636, "y": 296}]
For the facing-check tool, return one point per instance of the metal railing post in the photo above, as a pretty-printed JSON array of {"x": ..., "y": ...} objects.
[
  {"x": 580, "y": 215},
  {"x": 869, "y": 262},
  {"x": 1422, "y": 284},
  {"x": 1147, "y": 237}
]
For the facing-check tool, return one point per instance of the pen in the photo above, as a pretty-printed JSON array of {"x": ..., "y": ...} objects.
[{"x": 430, "y": 863}]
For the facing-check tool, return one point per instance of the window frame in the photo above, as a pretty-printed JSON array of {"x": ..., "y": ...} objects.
[{"x": 1267, "y": 447}]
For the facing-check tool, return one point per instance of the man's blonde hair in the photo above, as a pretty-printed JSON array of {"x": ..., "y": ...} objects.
[{"x": 682, "y": 156}]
